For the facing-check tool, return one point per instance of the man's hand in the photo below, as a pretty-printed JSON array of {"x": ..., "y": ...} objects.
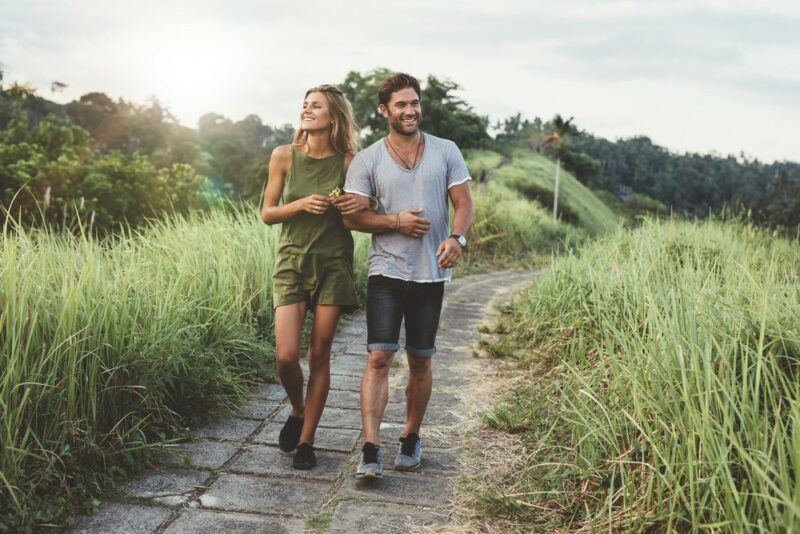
[
  {"x": 449, "y": 253},
  {"x": 412, "y": 225},
  {"x": 351, "y": 203}
]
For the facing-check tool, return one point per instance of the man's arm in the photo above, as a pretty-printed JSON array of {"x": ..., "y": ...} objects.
[
  {"x": 449, "y": 251},
  {"x": 369, "y": 222},
  {"x": 407, "y": 222}
]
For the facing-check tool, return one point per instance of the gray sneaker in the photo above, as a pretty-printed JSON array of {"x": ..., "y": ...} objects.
[
  {"x": 409, "y": 454},
  {"x": 369, "y": 462}
]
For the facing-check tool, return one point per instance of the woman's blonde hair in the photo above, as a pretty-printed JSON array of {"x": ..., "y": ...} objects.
[{"x": 344, "y": 130}]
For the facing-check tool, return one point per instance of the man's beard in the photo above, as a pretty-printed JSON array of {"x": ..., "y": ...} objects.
[{"x": 400, "y": 128}]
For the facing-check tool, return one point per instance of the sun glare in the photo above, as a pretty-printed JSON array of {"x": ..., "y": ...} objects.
[{"x": 191, "y": 76}]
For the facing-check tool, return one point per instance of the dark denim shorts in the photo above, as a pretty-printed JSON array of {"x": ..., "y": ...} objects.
[{"x": 389, "y": 301}]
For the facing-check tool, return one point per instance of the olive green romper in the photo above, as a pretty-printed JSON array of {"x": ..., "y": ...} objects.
[{"x": 315, "y": 252}]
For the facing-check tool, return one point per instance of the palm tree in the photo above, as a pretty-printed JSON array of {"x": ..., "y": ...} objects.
[{"x": 558, "y": 140}]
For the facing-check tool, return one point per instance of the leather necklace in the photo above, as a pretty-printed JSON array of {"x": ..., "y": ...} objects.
[{"x": 416, "y": 155}]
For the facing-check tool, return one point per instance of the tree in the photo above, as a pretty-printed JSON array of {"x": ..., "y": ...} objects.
[{"x": 558, "y": 142}]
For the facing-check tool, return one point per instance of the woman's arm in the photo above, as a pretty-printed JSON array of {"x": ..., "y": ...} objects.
[
  {"x": 271, "y": 211},
  {"x": 350, "y": 203}
]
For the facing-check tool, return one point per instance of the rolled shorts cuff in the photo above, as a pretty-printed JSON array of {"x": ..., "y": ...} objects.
[
  {"x": 383, "y": 346},
  {"x": 421, "y": 353}
]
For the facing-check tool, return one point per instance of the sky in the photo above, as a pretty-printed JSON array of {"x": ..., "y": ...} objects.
[{"x": 706, "y": 76}]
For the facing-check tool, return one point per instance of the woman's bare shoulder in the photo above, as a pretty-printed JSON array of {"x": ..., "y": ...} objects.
[{"x": 348, "y": 157}]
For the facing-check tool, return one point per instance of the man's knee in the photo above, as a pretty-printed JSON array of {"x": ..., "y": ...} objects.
[
  {"x": 417, "y": 365},
  {"x": 380, "y": 360}
]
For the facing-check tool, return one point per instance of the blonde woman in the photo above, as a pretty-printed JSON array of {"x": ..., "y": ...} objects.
[{"x": 314, "y": 264}]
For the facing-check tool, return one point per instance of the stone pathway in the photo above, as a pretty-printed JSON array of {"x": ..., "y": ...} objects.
[{"x": 232, "y": 478}]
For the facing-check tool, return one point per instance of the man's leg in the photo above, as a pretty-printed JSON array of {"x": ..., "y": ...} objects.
[
  {"x": 423, "y": 307},
  {"x": 375, "y": 393},
  {"x": 384, "y": 315},
  {"x": 418, "y": 393}
]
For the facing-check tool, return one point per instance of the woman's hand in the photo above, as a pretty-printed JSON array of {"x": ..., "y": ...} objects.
[
  {"x": 314, "y": 204},
  {"x": 350, "y": 203}
]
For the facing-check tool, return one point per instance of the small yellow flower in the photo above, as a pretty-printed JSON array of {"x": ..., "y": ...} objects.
[{"x": 335, "y": 193}]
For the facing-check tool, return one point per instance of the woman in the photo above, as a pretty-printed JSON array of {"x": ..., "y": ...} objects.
[{"x": 314, "y": 265}]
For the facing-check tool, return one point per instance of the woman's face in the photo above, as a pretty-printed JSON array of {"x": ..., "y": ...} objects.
[{"x": 316, "y": 114}]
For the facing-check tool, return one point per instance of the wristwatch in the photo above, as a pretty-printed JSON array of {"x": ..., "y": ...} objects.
[{"x": 460, "y": 238}]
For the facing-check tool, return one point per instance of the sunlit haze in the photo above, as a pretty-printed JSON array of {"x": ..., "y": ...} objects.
[{"x": 701, "y": 76}]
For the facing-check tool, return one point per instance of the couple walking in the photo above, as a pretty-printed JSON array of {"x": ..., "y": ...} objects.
[{"x": 396, "y": 189}]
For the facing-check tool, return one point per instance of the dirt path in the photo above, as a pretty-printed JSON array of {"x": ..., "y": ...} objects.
[{"x": 232, "y": 478}]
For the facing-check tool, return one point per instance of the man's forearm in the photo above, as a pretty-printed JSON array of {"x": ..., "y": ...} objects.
[
  {"x": 369, "y": 222},
  {"x": 462, "y": 219}
]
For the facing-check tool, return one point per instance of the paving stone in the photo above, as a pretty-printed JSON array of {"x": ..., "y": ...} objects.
[
  {"x": 374, "y": 518},
  {"x": 212, "y": 522},
  {"x": 333, "y": 439},
  {"x": 257, "y": 409},
  {"x": 346, "y": 382},
  {"x": 433, "y": 460},
  {"x": 415, "y": 488},
  {"x": 163, "y": 482},
  {"x": 121, "y": 518},
  {"x": 268, "y": 460},
  {"x": 201, "y": 453},
  {"x": 344, "y": 399},
  {"x": 229, "y": 428},
  {"x": 172, "y": 500},
  {"x": 241, "y": 493},
  {"x": 434, "y": 415},
  {"x": 438, "y": 398},
  {"x": 331, "y": 417},
  {"x": 268, "y": 391},
  {"x": 436, "y": 437}
]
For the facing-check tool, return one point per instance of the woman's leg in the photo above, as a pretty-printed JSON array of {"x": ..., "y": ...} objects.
[
  {"x": 319, "y": 368},
  {"x": 288, "y": 325}
]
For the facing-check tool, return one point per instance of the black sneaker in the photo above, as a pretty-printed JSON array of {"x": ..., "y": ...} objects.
[
  {"x": 369, "y": 462},
  {"x": 290, "y": 434},
  {"x": 304, "y": 458}
]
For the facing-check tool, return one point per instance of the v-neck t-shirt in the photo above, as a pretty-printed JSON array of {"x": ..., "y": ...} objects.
[{"x": 373, "y": 172}]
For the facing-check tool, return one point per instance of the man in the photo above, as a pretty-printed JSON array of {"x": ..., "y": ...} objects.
[{"x": 413, "y": 175}]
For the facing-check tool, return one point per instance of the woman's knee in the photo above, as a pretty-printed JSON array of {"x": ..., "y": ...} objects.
[
  {"x": 285, "y": 360},
  {"x": 319, "y": 358}
]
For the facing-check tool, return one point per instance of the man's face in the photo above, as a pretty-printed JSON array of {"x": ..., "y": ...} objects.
[{"x": 403, "y": 111}]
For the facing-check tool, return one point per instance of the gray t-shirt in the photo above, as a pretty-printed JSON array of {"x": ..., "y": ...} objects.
[{"x": 373, "y": 172}]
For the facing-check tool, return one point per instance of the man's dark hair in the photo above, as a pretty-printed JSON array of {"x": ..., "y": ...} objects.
[{"x": 395, "y": 82}]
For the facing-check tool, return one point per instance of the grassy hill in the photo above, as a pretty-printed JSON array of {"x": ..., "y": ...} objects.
[
  {"x": 533, "y": 175},
  {"x": 513, "y": 215}
]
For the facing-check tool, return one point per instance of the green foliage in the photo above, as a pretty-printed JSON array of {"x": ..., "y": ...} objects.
[
  {"x": 107, "y": 347},
  {"x": 50, "y": 173},
  {"x": 663, "y": 392},
  {"x": 634, "y": 208},
  {"x": 443, "y": 113},
  {"x": 239, "y": 151},
  {"x": 697, "y": 184}
]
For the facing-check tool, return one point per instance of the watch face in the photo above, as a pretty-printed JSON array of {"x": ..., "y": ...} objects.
[{"x": 462, "y": 240}]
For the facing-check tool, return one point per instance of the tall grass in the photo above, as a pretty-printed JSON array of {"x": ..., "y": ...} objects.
[
  {"x": 663, "y": 387},
  {"x": 107, "y": 346},
  {"x": 511, "y": 231}
]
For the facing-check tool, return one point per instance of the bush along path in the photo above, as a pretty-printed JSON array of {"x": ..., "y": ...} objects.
[{"x": 232, "y": 477}]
